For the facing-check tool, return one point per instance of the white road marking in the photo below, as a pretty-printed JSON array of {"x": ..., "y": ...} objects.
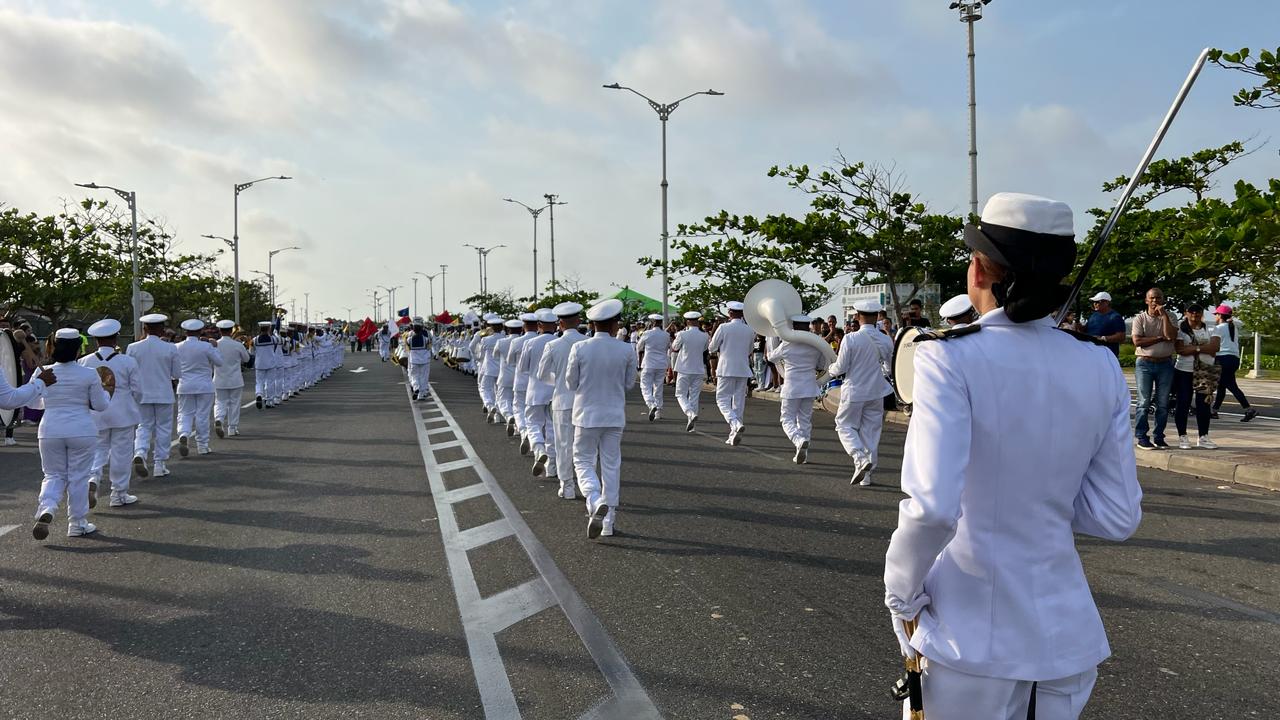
[
  {"x": 248, "y": 404},
  {"x": 5, "y": 529}
]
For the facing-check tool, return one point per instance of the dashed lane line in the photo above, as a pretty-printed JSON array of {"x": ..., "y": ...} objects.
[{"x": 6, "y": 529}]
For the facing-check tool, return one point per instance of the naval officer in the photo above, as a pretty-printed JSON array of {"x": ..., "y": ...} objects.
[
  {"x": 800, "y": 364},
  {"x": 199, "y": 358},
  {"x": 863, "y": 357},
  {"x": 506, "y": 374},
  {"x": 984, "y": 556},
  {"x": 958, "y": 311},
  {"x": 420, "y": 346},
  {"x": 266, "y": 366},
  {"x": 487, "y": 365},
  {"x": 159, "y": 368},
  {"x": 228, "y": 381},
  {"x": 653, "y": 348},
  {"x": 520, "y": 381},
  {"x": 733, "y": 341},
  {"x": 551, "y": 370},
  {"x": 690, "y": 347},
  {"x": 538, "y": 422},
  {"x": 118, "y": 424}
]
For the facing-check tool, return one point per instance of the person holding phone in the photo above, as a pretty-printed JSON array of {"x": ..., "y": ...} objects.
[{"x": 1154, "y": 332}]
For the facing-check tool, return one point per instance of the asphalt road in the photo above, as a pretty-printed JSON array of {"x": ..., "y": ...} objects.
[{"x": 301, "y": 571}]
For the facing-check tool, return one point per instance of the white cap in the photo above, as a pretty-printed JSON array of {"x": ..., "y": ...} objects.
[
  {"x": 153, "y": 318},
  {"x": 605, "y": 310},
  {"x": 1101, "y": 296},
  {"x": 541, "y": 310},
  {"x": 225, "y": 324},
  {"x": 801, "y": 318},
  {"x": 513, "y": 323},
  {"x": 192, "y": 325},
  {"x": 693, "y": 315},
  {"x": 735, "y": 305},
  {"x": 67, "y": 334},
  {"x": 567, "y": 309},
  {"x": 869, "y": 307},
  {"x": 528, "y": 317},
  {"x": 546, "y": 316},
  {"x": 1031, "y": 213},
  {"x": 655, "y": 316},
  {"x": 264, "y": 324},
  {"x": 104, "y": 328},
  {"x": 493, "y": 319},
  {"x": 956, "y": 306}
]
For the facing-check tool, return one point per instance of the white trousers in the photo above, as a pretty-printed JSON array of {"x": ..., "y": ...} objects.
[
  {"x": 157, "y": 427},
  {"x": 488, "y": 390},
  {"x": 952, "y": 695},
  {"x": 564, "y": 436},
  {"x": 517, "y": 407},
  {"x": 858, "y": 423},
  {"x": 689, "y": 392},
  {"x": 541, "y": 429},
  {"x": 651, "y": 387},
  {"x": 505, "y": 393},
  {"x": 384, "y": 351},
  {"x": 66, "y": 463},
  {"x": 603, "y": 444},
  {"x": 797, "y": 419},
  {"x": 226, "y": 406},
  {"x": 193, "y": 413},
  {"x": 114, "y": 452},
  {"x": 419, "y": 376},
  {"x": 731, "y": 398}
]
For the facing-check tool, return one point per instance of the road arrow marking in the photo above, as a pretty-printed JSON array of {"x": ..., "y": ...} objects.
[{"x": 359, "y": 370}]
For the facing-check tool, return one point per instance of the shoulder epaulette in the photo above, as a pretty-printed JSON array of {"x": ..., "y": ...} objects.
[
  {"x": 949, "y": 333},
  {"x": 1083, "y": 337}
]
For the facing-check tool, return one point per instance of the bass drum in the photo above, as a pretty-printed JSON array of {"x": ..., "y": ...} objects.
[
  {"x": 904, "y": 357},
  {"x": 12, "y": 374}
]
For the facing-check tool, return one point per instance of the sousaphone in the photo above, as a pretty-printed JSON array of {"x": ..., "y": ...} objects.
[{"x": 768, "y": 308}]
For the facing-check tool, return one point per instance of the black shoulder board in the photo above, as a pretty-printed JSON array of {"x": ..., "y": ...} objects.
[
  {"x": 1083, "y": 337},
  {"x": 949, "y": 333}
]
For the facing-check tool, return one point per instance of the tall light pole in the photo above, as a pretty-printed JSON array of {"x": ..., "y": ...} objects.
[
  {"x": 664, "y": 113},
  {"x": 535, "y": 213},
  {"x": 271, "y": 273},
  {"x": 444, "y": 300},
  {"x": 235, "y": 235},
  {"x": 130, "y": 197},
  {"x": 348, "y": 309},
  {"x": 552, "y": 202},
  {"x": 431, "y": 290},
  {"x": 391, "y": 300},
  {"x": 306, "y": 305},
  {"x": 970, "y": 13},
  {"x": 482, "y": 254}
]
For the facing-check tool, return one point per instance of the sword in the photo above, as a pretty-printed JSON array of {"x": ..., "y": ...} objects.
[{"x": 908, "y": 686}]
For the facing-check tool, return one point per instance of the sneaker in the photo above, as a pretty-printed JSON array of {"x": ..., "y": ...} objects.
[
  {"x": 1184, "y": 442},
  {"x": 203, "y": 450},
  {"x": 1161, "y": 444},
  {"x": 596, "y": 523},
  {"x": 9, "y": 442},
  {"x": 653, "y": 414},
  {"x": 606, "y": 527},
  {"x": 735, "y": 438},
  {"x": 234, "y": 432},
  {"x": 184, "y": 448},
  {"x": 802, "y": 453},
  {"x": 218, "y": 429},
  {"x": 78, "y": 528},
  {"x": 511, "y": 427},
  {"x": 140, "y": 465},
  {"x": 1206, "y": 444},
  {"x": 41, "y": 529},
  {"x": 540, "y": 465},
  {"x": 861, "y": 471},
  {"x": 866, "y": 481},
  {"x": 258, "y": 402},
  {"x": 693, "y": 422},
  {"x": 122, "y": 499},
  {"x": 1249, "y": 415},
  {"x": 657, "y": 413},
  {"x": 159, "y": 469},
  {"x": 525, "y": 445},
  {"x": 1145, "y": 444},
  {"x": 566, "y": 493},
  {"x": 93, "y": 494}
]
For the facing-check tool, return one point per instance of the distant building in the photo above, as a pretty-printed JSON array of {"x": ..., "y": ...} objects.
[{"x": 928, "y": 294}]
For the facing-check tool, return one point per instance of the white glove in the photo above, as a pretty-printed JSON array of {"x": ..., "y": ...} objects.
[{"x": 904, "y": 640}]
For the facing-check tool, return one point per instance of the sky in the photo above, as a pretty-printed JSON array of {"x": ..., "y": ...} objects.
[{"x": 406, "y": 122}]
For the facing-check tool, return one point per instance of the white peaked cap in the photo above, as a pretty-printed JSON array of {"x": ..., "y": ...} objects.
[
  {"x": 868, "y": 306},
  {"x": 528, "y": 317},
  {"x": 656, "y": 316},
  {"x": 546, "y": 316},
  {"x": 104, "y": 328},
  {"x": 541, "y": 310},
  {"x": 692, "y": 315},
  {"x": 493, "y": 319},
  {"x": 606, "y": 310},
  {"x": 192, "y": 325},
  {"x": 956, "y": 306},
  {"x": 67, "y": 334},
  {"x": 225, "y": 324},
  {"x": 1031, "y": 213},
  {"x": 567, "y": 309},
  {"x": 1101, "y": 296},
  {"x": 153, "y": 318},
  {"x": 513, "y": 323},
  {"x": 801, "y": 318},
  {"x": 264, "y": 323},
  {"x": 734, "y": 305}
]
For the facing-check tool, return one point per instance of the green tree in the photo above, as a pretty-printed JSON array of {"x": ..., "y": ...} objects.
[
  {"x": 1265, "y": 71},
  {"x": 50, "y": 263},
  {"x": 1257, "y": 224},
  {"x": 566, "y": 289},
  {"x": 502, "y": 302}
]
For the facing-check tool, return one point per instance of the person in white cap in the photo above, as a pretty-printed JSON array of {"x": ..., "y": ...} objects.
[
  {"x": 652, "y": 349},
  {"x": 199, "y": 359},
  {"x": 1006, "y": 459},
  {"x": 68, "y": 437},
  {"x": 420, "y": 346},
  {"x": 159, "y": 368},
  {"x": 228, "y": 381},
  {"x": 690, "y": 347},
  {"x": 864, "y": 356},
  {"x": 538, "y": 423},
  {"x": 118, "y": 424},
  {"x": 520, "y": 381},
  {"x": 958, "y": 311},
  {"x": 733, "y": 341},
  {"x": 1105, "y": 323},
  {"x": 800, "y": 365},
  {"x": 600, "y": 371},
  {"x": 551, "y": 370},
  {"x": 506, "y": 374},
  {"x": 266, "y": 366},
  {"x": 488, "y": 366}
]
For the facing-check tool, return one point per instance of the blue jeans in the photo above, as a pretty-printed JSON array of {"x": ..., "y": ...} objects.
[{"x": 1154, "y": 379}]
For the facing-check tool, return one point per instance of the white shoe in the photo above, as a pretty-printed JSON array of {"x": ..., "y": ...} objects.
[
  {"x": 693, "y": 422},
  {"x": 40, "y": 530},
  {"x": 234, "y": 432},
  {"x": 184, "y": 447},
  {"x": 78, "y": 528},
  {"x": 866, "y": 481},
  {"x": 540, "y": 464},
  {"x": 159, "y": 469},
  {"x": 802, "y": 453},
  {"x": 525, "y": 446},
  {"x": 566, "y": 493},
  {"x": 203, "y": 450},
  {"x": 122, "y": 499},
  {"x": 9, "y": 442},
  {"x": 218, "y": 429},
  {"x": 861, "y": 472},
  {"x": 511, "y": 426},
  {"x": 595, "y": 523},
  {"x": 1184, "y": 443},
  {"x": 606, "y": 527},
  {"x": 735, "y": 437},
  {"x": 1206, "y": 444},
  {"x": 140, "y": 465}
]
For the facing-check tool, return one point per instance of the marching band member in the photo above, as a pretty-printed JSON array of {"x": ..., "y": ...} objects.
[
  {"x": 800, "y": 365},
  {"x": 12, "y": 398},
  {"x": 539, "y": 427},
  {"x": 520, "y": 381},
  {"x": 551, "y": 370},
  {"x": 199, "y": 359},
  {"x": 118, "y": 424},
  {"x": 487, "y": 374},
  {"x": 420, "y": 345},
  {"x": 690, "y": 347},
  {"x": 958, "y": 311},
  {"x": 266, "y": 366},
  {"x": 863, "y": 357},
  {"x": 600, "y": 371},
  {"x": 733, "y": 341},
  {"x": 384, "y": 343},
  {"x": 506, "y": 374},
  {"x": 158, "y": 368},
  {"x": 984, "y": 556},
  {"x": 228, "y": 381},
  {"x": 68, "y": 437},
  {"x": 652, "y": 348}
]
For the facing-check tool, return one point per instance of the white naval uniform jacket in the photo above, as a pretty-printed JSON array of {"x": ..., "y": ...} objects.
[
  {"x": 1019, "y": 437},
  {"x": 654, "y": 344},
  {"x": 12, "y": 398},
  {"x": 863, "y": 355},
  {"x": 552, "y": 366},
  {"x": 199, "y": 359},
  {"x": 600, "y": 372},
  {"x": 690, "y": 345},
  {"x": 506, "y": 373},
  {"x": 800, "y": 365},
  {"x": 521, "y": 380},
  {"x": 158, "y": 367},
  {"x": 538, "y": 391},
  {"x": 488, "y": 354},
  {"x": 266, "y": 354},
  {"x": 733, "y": 340},
  {"x": 123, "y": 409},
  {"x": 67, "y": 403},
  {"x": 228, "y": 375},
  {"x": 419, "y": 354}
]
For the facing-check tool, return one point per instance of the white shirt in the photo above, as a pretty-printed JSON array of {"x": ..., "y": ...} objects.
[
  {"x": 733, "y": 340},
  {"x": 266, "y": 352},
  {"x": 158, "y": 367},
  {"x": 68, "y": 402},
  {"x": 1187, "y": 363},
  {"x": 487, "y": 356},
  {"x": 1227, "y": 346},
  {"x": 1006, "y": 457},
  {"x": 537, "y": 392},
  {"x": 863, "y": 355},
  {"x": 653, "y": 346},
  {"x": 419, "y": 354},
  {"x": 690, "y": 345},
  {"x": 123, "y": 409},
  {"x": 506, "y": 373},
  {"x": 228, "y": 375},
  {"x": 552, "y": 366},
  {"x": 198, "y": 358},
  {"x": 514, "y": 349},
  {"x": 600, "y": 372},
  {"x": 12, "y": 398},
  {"x": 800, "y": 365}
]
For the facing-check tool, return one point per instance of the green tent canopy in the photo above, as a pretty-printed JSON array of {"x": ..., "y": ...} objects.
[{"x": 632, "y": 300}]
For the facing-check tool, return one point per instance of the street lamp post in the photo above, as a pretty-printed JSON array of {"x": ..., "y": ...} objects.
[
  {"x": 391, "y": 300},
  {"x": 444, "y": 301},
  {"x": 306, "y": 305},
  {"x": 970, "y": 13},
  {"x": 552, "y": 202},
  {"x": 664, "y": 113},
  {"x": 535, "y": 213},
  {"x": 271, "y": 274},
  {"x": 482, "y": 255},
  {"x": 130, "y": 197},
  {"x": 235, "y": 235},
  {"x": 431, "y": 290}
]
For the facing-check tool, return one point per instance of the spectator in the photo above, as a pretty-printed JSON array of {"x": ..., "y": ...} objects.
[
  {"x": 883, "y": 323},
  {"x": 818, "y": 327},
  {"x": 1153, "y": 336},
  {"x": 836, "y": 337},
  {"x": 1105, "y": 323},
  {"x": 915, "y": 315},
  {"x": 1229, "y": 358},
  {"x": 1070, "y": 322},
  {"x": 1194, "y": 342}
]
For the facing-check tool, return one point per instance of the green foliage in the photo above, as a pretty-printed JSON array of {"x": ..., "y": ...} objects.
[
  {"x": 564, "y": 290},
  {"x": 502, "y": 302},
  {"x": 1264, "y": 71}
]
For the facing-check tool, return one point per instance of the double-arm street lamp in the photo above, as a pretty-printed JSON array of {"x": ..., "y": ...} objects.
[
  {"x": 664, "y": 111},
  {"x": 970, "y": 13},
  {"x": 391, "y": 300},
  {"x": 535, "y": 212},
  {"x": 130, "y": 197},
  {"x": 235, "y": 236},
  {"x": 431, "y": 291},
  {"x": 271, "y": 275},
  {"x": 482, "y": 255},
  {"x": 444, "y": 301}
]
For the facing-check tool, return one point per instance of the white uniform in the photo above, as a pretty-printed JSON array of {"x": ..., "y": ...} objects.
[
  {"x": 690, "y": 346},
  {"x": 800, "y": 364},
  {"x": 653, "y": 346},
  {"x": 228, "y": 383},
  {"x": 538, "y": 422},
  {"x": 266, "y": 368},
  {"x": 1006, "y": 458},
  {"x": 487, "y": 370},
  {"x": 551, "y": 370},
  {"x": 733, "y": 341},
  {"x": 12, "y": 398},
  {"x": 506, "y": 375},
  {"x": 68, "y": 438},
  {"x": 384, "y": 344},
  {"x": 420, "y": 346},
  {"x": 158, "y": 367},
  {"x": 195, "y": 388},
  {"x": 860, "y": 418},
  {"x": 118, "y": 424},
  {"x": 600, "y": 372},
  {"x": 519, "y": 381}
]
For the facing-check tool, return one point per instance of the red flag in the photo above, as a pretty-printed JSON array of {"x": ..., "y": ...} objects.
[
  {"x": 444, "y": 318},
  {"x": 367, "y": 329}
]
